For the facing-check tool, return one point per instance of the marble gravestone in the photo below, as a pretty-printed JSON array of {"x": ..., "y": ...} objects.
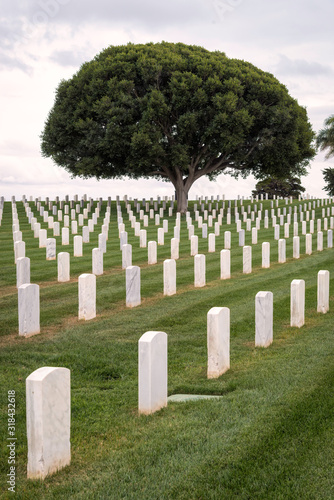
[
  {"x": 218, "y": 341},
  {"x": 97, "y": 261},
  {"x": 247, "y": 259},
  {"x": 48, "y": 403},
  {"x": 87, "y": 296},
  {"x": 28, "y": 308},
  {"x": 22, "y": 271},
  {"x": 263, "y": 319},
  {"x": 194, "y": 245},
  {"x": 133, "y": 297},
  {"x": 152, "y": 252},
  {"x": 296, "y": 247},
  {"x": 51, "y": 249},
  {"x": 63, "y": 264},
  {"x": 152, "y": 372},
  {"x": 297, "y": 303},
  {"x": 126, "y": 255},
  {"x": 265, "y": 255},
  {"x": 77, "y": 246},
  {"x": 323, "y": 292},
  {"x": 199, "y": 270},
  {"x": 225, "y": 264},
  {"x": 169, "y": 277}
]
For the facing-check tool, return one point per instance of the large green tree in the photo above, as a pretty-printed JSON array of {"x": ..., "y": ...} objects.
[
  {"x": 175, "y": 112},
  {"x": 272, "y": 186},
  {"x": 325, "y": 137}
]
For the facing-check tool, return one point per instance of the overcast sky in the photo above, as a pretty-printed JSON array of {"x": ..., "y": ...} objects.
[{"x": 45, "y": 41}]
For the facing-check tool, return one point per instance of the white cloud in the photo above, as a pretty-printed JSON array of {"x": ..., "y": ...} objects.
[{"x": 44, "y": 41}]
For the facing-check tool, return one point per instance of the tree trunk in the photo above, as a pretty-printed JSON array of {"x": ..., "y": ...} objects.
[{"x": 181, "y": 193}]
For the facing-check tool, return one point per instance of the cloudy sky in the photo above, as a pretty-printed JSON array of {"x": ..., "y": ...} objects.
[{"x": 45, "y": 41}]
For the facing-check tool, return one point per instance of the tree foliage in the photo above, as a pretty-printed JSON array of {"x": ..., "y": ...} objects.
[
  {"x": 279, "y": 187},
  {"x": 325, "y": 137},
  {"x": 175, "y": 112},
  {"x": 328, "y": 174}
]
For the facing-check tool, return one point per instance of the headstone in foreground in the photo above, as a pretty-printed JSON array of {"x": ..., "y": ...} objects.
[{"x": 48, "y": 403}]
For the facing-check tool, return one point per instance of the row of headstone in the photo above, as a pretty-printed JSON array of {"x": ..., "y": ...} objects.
[
  {"x": 48, "y": 392},
  {"x": 152, "y": 348}
]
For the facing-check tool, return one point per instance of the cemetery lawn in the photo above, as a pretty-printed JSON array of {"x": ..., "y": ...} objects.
[{"x": 269, "y": 436}]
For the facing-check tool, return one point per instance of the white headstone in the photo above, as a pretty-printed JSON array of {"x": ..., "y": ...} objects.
[
  {"x": 87, "y": 296},
  {"x": 142, "y": 238},
  {"x": 19, "y": 250},
  {"x": 241, "y": 237},
  {"x": 218, "y": 341},
  {"x": 308, "y": 244},
  {"x": 161, "y": 236},
  {"x": 227, "y": 240},
  {"x": 37, "y": 227},
  {"x": 126, "y": 256},
  {"x": 77, "y": 246},
  {"x": 28, "y": 307},
  {"x": 65, "y": 236},
  {"x": 169, "y": 277},
  {"x": 199, "y": 270},
  {"x": 123, "y": 239},
  {"x": 212, "y": 243},
  {"x": 74, "y": 227},
  {"x": 174, "y": 248},
  {"x": 296, "y": 247},
  {"x": 152, "y": 372},
  {"x": 194, "y": 245},
  {"x": 22, "y": 271},
  {"x": 48, "y": 402},
  {"x": 254, "y": 236},
  {"x": 277, "y": 232},
  {"x": 225, "y": 264},
  {"x": 85, "y": 234},
  {"x": 133, "y": 298},
  {"x": 323, "y": 292},
  {"x": 51, "y": 249},
  {"x": 63, "y": 261},
  {"x": 56, "y": 229},
  {"x": 247, "y": 259},
  {"x": 103, "y": 242},
  {"x": 152, "y": 252},
  {"x": 42, "y": 238},
  {"x": 281, "y": 251},
  {"x": 297, "y": 303},
  {"x": 97, "y": 261},
  {"x": 263, "y": 319}
]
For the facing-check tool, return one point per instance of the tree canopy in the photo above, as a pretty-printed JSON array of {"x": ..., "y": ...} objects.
[
  {"x": 325, "y": 137},
  {"x": 175, "y": 112},
  {"x": 279, "y": 187},
  {"x": 328, "y": 174}
]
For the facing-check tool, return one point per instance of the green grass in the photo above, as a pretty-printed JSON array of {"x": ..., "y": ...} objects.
[{"x": 269, "y": 437}]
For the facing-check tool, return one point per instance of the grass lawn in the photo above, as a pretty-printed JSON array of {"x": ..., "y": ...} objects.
[{"x": 270, "y": 435}]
